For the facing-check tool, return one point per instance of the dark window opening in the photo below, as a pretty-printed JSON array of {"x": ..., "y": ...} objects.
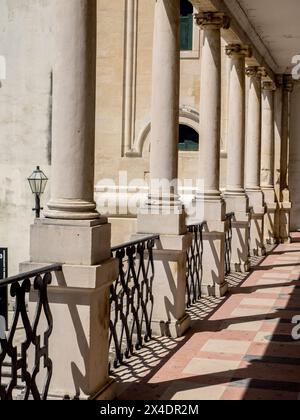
[
  {"x": 186, "y": 25},
  {"x": 188, "y": 139}
]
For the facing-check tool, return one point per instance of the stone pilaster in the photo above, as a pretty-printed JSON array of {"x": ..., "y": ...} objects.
[
  {"x": 253, "y": 162},
  {"x": 235, "y": 195},
  {"x": 267, "y": 162},
  {"x": 209, "y": 158}
]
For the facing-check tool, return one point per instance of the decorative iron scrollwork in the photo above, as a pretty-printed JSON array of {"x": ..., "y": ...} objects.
[
  {"x": 16, "y": 374},
  {"x": 194, "y": 265},
  {"x": 228, "y": 242},
  {"x": 131, "y": 299}
]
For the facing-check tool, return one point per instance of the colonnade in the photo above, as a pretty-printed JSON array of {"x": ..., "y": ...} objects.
[{"x": 74, "y": 234}]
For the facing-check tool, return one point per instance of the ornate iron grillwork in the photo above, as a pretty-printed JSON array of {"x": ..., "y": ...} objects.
[
  {"x": 4, "y": 290},
  {"x": 228, "y": 243},
  {"x": 194, "y": 265},
  {"x": 131, "y": 299},
  {"x": 15, "y": 373}
]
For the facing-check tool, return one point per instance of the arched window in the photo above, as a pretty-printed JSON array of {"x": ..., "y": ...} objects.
[
  {"x": 186, "y": 25},
  {"x": 188, "y": 139}
]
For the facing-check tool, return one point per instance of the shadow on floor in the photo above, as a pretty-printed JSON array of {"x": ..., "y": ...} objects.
[{"x": 273, "y": 372}]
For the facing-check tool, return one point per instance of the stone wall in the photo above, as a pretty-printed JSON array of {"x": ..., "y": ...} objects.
[
  {"x": 114, "y": 30},
  {"x": 25, "y": 117}
]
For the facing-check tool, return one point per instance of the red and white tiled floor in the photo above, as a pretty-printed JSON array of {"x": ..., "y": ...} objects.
[{"x": 242, "y": 350}]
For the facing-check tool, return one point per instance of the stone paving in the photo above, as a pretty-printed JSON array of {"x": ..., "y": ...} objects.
[{"x": 239, "y": 347}]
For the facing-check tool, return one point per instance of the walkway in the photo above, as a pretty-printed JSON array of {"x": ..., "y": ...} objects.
[{"x": 242, "y": 350}]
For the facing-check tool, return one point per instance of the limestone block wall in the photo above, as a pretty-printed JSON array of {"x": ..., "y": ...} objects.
[
  {"x": 25, "y": 117},
  {"x": 124, "y": 89}
]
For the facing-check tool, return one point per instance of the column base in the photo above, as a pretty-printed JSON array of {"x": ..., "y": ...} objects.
[
  {"x": 217, "y": 291},
  {"x": 67, "y": 209},
  {"x": 214, "y": 211},
  {"x": 213, "y": 283},
  {"x": 284, "y": 222},
  {"x": 172, "y": 329},
  {"x": 78, "y": 346},
  {"x": 241, "y": 267},
  {"x": 257, "y": 214},
  {"x": 270, "y": 218},
  {"x": 239, "y": 205},
  {"x": 163, "y": 224},
  {"x": 169, "y": 286}
]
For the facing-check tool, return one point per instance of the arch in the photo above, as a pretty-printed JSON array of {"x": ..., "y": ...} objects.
[
  {"x": 188, "y": 139},
  {"x": 187, "y": 116}
]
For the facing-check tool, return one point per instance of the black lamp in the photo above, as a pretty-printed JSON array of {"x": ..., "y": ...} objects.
[{"x": 38, "y": 182}]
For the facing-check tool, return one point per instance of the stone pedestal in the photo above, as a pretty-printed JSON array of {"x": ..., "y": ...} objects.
[
  {"x": 169, "y": 314},
  {"x": 270, "y": 217},
  {"x": 285, "y": 217},
  {"x": 239, "y": 205},
  {"x": 257, "y": 215},
  {"x": 78, "y": 345},
  {"x": 213, "y": 283},
  {"x": 70, "y": 241},
  {"x": 165, "y": 224}
]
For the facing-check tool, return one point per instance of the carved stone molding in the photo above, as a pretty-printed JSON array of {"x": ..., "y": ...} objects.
[
  {"x": 288, "y": 84},
  {"x": 254, "y": 71},
  {"x": 269, "y": 86},
  {"x": 238, "y": 50},
  {"x": 215, "y": 20}
]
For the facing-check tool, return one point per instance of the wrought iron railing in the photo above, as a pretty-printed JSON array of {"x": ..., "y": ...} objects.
[
  {"x": 131, "y": 299},
  {"x": 194, "y": 265},
  {"x": 4, "y": 290},
  {"x": 228, "y": 242},
  {"x": 25, "y": 334}
]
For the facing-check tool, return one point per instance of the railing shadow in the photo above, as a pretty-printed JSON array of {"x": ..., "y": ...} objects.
[{"x": 249, "y": 379}]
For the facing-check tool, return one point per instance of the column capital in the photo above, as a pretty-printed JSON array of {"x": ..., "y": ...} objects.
[
  {"x": 255, "y": 71},
  {"x": 269, "y": 86},
  {"x": 238, "y": 50},
  {"x": 215, "y": 20},
  {"x": 279, "y": 80},
  {"x": 288, "y": 84}
]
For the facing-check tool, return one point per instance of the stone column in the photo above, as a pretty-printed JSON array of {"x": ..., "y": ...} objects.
[
  {"x": 235, "y": 195},
  {"x": 209, "y": 157},
  {"x": 285, "y": 204},
  {"x": 253, "y": 162},
  {"x": 73, "y": 233},
  {"x": 163, "y": 213},
  {"x": 278, "y": 96},
  {"x": 268, "y": 161}
]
